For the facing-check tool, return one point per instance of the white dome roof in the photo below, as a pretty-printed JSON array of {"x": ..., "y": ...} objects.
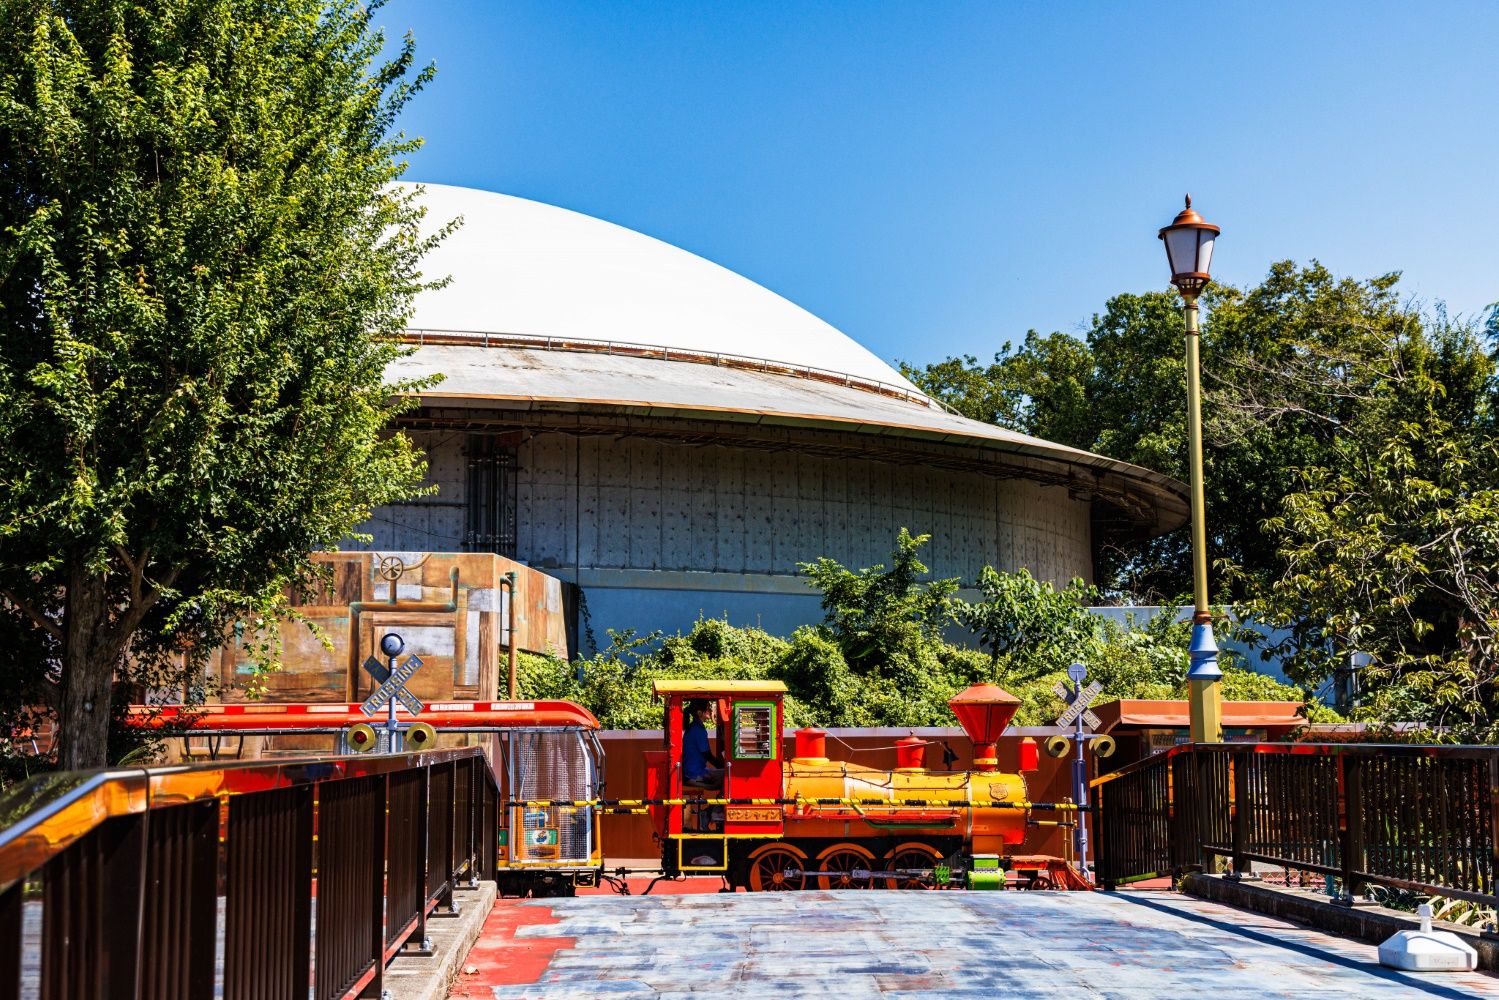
[{"x": 525, "y": 268}]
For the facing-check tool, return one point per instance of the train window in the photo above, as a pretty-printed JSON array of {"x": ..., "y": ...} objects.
[{"x": 754, "y": 730}]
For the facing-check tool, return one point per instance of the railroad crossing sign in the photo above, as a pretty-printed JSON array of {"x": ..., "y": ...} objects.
[
  {"x": 392, "y": 686},
  {"x": 1078, "y": 703},
  {"x": 1077, "y": 714}
]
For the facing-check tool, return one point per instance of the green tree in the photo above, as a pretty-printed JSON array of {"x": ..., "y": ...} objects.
[
  {"x": 203, "y": 263},
  {"x": 1041, "y": 388},
  {"x": 1391, "y": 546},
  {"x": 1028, "y": 623},
  {"x": 1119, "y": 390},
  {"x": 616, "y": 683},
  {"x": 875, "y": 612},
  {"x": 911, "y": 683}
]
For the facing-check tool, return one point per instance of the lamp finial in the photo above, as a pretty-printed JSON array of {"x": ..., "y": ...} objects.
[{"x": 1189, "y": 201}]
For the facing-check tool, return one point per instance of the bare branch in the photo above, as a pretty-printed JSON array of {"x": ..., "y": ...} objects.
[
  {"x": 50, "y": 626},
  {"x": 144, "y": 596}
]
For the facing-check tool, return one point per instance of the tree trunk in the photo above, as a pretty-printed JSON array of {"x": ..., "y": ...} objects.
[{"x": 88, "y": 669}]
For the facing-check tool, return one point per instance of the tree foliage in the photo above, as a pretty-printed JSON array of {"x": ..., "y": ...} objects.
[
  {"x": 203, "y": 262},
  {"x": 1119, "y": 390},
  {"x": 875, "y": 612},
  {"x": 1391, "y": 549},
  {"x": 1027, "y": 623}
]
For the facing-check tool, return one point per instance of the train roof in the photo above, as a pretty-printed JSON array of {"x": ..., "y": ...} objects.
[{"x": 668, "y": 687}]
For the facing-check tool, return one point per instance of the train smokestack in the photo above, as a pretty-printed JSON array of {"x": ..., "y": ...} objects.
[
  {"x": 984, "y": 711},
  {"x": 910, "y": 754}
]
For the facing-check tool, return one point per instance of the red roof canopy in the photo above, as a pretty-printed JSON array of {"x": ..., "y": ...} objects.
[{"x": 1170, "y": 714}]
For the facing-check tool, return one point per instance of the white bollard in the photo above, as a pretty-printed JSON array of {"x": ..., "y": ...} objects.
[{"x": 1427, "y": 950}]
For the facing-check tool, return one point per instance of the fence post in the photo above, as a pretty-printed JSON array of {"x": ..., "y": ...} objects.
[
  {"x": 423, "y": 828},
  {"x": 1177, "y": 805},
  {"x": 10, "y": 941},
  {"x": 1352, "y": 787},
  {"x": 1103, "y": 863},
  {"x": 450, "y": 863},
  {"x": 1204, "y": 762},
  {"x": 1239, "y": 761},
  {"x": 1493, "y": 807},
  {"x": 380, "y": 794}
]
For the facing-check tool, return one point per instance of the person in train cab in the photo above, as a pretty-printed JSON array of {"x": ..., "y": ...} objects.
[{"x": 701, "y": 767}]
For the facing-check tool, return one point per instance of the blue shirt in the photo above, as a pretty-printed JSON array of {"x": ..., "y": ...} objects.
[{"x": 695, "y": 751}]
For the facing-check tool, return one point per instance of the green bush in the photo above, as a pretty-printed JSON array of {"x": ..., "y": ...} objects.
[{"x": 880, "y": 658}]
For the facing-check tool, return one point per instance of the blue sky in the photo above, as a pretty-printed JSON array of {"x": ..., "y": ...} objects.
[{"x": 937, "y": 178}]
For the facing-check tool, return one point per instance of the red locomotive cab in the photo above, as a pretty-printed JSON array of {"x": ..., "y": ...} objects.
[
  {"x": 656, "y": 789},
  {"x": 701, "y": 821}
]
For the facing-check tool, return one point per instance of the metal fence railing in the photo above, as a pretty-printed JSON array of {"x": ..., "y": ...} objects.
[
  {"x": 255, "y": 880},
  {"x": 1420, "y": 818}
]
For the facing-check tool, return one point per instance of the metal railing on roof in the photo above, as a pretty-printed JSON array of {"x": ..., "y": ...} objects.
[
  {"x": 742, "y": 362},
  {"x": 132, "y": 882}
]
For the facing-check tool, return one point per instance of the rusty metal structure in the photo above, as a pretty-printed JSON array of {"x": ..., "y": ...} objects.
[
  {"x": 128, "y": 883},
  {"x": 467, "y": 612},
  {"x": 1421, "y": 818}
]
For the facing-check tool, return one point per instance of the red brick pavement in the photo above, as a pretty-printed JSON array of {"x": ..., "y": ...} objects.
[{"x": 499, "y": 958}]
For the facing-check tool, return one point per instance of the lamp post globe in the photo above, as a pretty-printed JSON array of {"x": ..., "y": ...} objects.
[{"x": 1189, "y": 250}]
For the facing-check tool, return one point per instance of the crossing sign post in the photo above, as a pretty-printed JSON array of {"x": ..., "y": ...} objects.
[
  {"x": 1077, "y": 714},
  {"x": 1080, "y": 700},
  {"x": 392, "y": 679}
]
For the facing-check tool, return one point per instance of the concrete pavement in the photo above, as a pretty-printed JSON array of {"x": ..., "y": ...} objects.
[{"x": 930, "y": 945}]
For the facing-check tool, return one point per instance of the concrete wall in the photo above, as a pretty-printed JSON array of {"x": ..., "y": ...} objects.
[{"x": 656, "y": 532}]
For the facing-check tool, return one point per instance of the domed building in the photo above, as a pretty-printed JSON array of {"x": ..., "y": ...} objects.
[{"x": 673, "y": 439}]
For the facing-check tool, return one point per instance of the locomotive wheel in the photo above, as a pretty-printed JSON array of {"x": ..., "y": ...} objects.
[
  {"x": 768, "y": 865},
  {"x": 908, "y": 856},
  {"x": 1042, "y": 882},
  {"x": 840, "y": 861}
]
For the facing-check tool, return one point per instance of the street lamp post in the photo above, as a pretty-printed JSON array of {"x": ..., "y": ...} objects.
[{"x": 1189, "y": 250}]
